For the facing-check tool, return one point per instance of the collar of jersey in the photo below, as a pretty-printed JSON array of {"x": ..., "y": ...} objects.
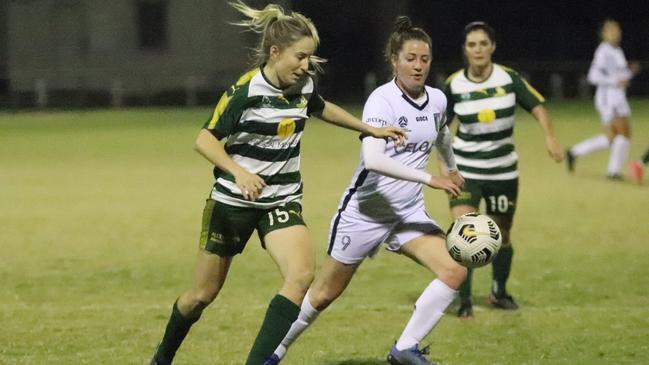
[{"x": 409, "y": 100}]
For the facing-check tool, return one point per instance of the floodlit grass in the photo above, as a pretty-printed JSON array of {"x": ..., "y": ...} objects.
[{"x": 100, "y": 215}]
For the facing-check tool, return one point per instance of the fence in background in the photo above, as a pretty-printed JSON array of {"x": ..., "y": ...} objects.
[{"x": 555, "y": 80}]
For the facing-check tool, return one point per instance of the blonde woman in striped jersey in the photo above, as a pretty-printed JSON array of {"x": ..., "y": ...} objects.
[
  {"x": 483, "y": 96},
  {"x": 258, "y": 183}
]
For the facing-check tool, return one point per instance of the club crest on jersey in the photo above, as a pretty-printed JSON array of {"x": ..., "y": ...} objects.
[
  {"x": 486, "y": 116},
  {"x": 403, "y": 121},
  {"x": 438, "y": 121},
  {"x": 286, "y": 128}
]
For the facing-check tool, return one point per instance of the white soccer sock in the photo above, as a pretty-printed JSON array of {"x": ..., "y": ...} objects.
[
  {"x": 619, "y": 154},
  {"x": 307, "y": 315},
  {"x": 429, "y": 309},
  {"x": 590, "y": 145}
]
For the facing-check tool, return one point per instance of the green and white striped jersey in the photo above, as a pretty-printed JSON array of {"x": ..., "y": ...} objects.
[
  {"x": 263, "y": 126},
  {"x": 484, "y": 144}
]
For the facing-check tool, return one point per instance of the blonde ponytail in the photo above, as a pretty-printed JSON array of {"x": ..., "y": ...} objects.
[{"x": 277, "y": 28}]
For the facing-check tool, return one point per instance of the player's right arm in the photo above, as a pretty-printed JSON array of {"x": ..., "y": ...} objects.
[
  {"x": 375, "y": 159},
  {"x": 377, "y": 113},
  {"x": 212, "y": 149},
  {"x": 222, "y": 123}
]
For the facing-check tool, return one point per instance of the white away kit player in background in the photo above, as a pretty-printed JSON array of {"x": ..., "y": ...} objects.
[{"x": 611, "y": 73}]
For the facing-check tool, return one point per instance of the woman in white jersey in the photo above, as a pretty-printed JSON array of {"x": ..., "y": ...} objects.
[
  {"x": 385, "y": 203},
  {"x": 258, "y": 184},
  {"x": 611, "y": 73}
]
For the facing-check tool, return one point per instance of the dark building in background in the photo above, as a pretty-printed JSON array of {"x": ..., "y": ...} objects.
[
  {"x": 4, "y": 49},
  {"x": 133, "y": 52},
  {"x": 541, "y": 38}
]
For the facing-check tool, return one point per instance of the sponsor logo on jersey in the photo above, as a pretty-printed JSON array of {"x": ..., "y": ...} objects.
[
  {"x": 465, "y": 96},
  {"x": 265, "y": 102},
  {"x": 373, "y": 120},
  {"x": 422, "y": 118},
  {"x": 414, "y": 147},
  {"x": 403, "y": 121},
  {"x": 303, "y": 102}
]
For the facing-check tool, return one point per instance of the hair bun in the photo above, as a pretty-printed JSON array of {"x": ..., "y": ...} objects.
[{"x": 402, "y": 23}]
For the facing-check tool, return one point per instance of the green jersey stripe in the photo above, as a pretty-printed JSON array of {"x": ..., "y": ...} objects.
[
  {"x": 484, "y": 93},
  {"x": 280, "y": 102},
  {"x": 277, "y": 179},
  {"x": 475, "y": 118},
  {"x": 498, "y": 152},
  {"x": 263, "y": 154},
  {"x": 268, "y": 129},
  {"x": 488, "y": 171},
  {"x": 486, "y": 136}
]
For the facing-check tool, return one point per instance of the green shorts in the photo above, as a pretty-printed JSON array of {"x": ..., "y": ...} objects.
[
  {"x": 500, "y": 196},
  {"x": 226, "y": 229}
]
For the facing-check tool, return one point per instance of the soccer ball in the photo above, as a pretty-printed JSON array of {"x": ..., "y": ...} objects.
[{"x": 473, "y": 240}]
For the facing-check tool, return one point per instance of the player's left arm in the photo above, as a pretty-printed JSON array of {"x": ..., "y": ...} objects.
[
  {"x": 532, "y": 101},
  {"x": 553, "y": 146},
  {"x": 332, "y": 113},
  {"x": 444, "y": 145}
]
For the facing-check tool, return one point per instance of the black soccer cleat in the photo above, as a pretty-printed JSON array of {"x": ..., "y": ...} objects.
[
  {"x": 570, "y": 160},
  {"x": 505, "y": 301},
  {"x": 466, "y": 310}
]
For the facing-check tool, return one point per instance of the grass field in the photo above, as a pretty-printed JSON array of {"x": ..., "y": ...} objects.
[{"x": 100, "y": 215}]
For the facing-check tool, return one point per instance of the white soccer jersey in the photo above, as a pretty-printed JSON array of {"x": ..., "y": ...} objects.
[
  {"x": 382, "y": 197},
  {"x": 608, "y": 69},
  {"x": 379, "y": 209}
]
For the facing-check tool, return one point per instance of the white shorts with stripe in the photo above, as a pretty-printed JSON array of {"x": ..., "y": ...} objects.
[{"x": 354, "y": 236}]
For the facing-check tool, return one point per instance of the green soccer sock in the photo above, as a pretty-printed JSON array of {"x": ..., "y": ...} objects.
[
  {"x": 280, "y": 315},
  {"x": 501, "y": 267},
  {"x": 177, "y": 328},
  {"x": 465, "y": 288}
]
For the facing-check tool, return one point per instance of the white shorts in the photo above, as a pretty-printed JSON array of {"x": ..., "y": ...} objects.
[
  {"x": 611, "y": 104},
  {"x": 353, "y": 236}
]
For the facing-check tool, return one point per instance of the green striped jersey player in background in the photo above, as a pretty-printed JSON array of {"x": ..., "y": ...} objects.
[
  {"x": 258, "y": 185},
  {"x": 483, "y": 96}
]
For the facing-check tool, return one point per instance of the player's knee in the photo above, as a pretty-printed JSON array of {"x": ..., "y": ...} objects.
[
  {"x": 453, "y": 275},
  {"x": 322, "y": 297},
  {"x": 201, "y": 298},
  {"x": 300, "y": 280}
]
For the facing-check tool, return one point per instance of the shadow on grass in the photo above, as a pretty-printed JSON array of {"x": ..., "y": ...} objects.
[{"x": 358, "y": 362}]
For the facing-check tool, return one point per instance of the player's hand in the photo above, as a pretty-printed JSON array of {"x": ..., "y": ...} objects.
[
  {"x": 623, "y": 84},
  {"x": 250, "y": 185},
  {"x": 635, "y": 67},
  {"x": 396, "y": 134},
  {"x": 555, "y": 150},
  {"x": 444, "y": 183},
  {"x": 457, "y": 178}
]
